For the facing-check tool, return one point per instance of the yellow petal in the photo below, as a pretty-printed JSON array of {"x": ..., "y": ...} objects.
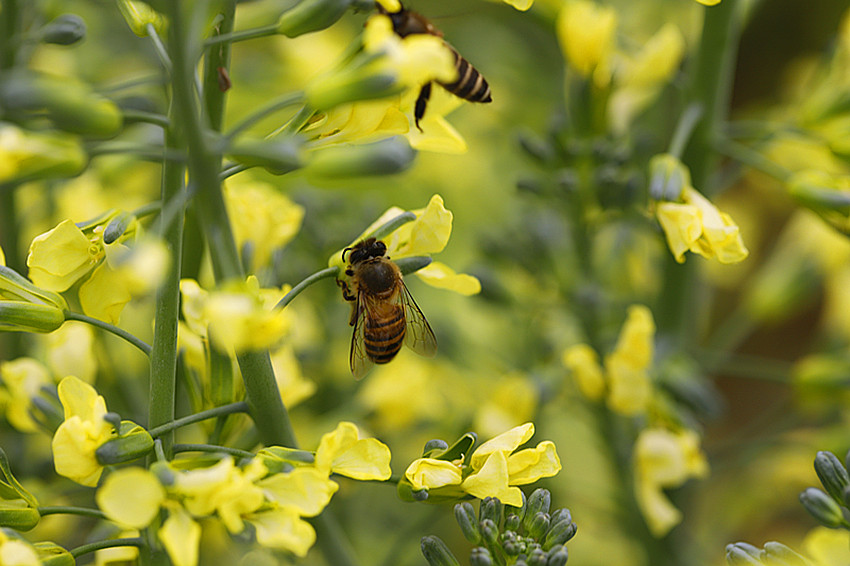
[
  {"x": 682, "y": 226},
  {"x": 74, "y": 445},
  {"x": 81, "y": 399},
  {"x": 180, "y": 535},
  {"x": 343, "y": 452},
  {"x": 491, "y": 480},
  {"x": 629, "y": 387},
  {"x": 430, "y": 473},
  {"x": 18, "y": 553},
  {"x": 636, "y": 341},
  {"x": 306, "y": 489},
  {"x": 660, "y": 514},
  {"x": 283, "y": 529},
  {"x": 586, "y": 32},
  {"x": 442, "y": 276},
  {"x": 104, "y": 294},
  {"x": 528, "y": 466},
  {"x": 505, "y": 442},
  {"x": 429, "y": 233},
  {"x": 583, "y": 362},
  {"x": 131, "y": 496},
  {"x": 58, "y": 258}
]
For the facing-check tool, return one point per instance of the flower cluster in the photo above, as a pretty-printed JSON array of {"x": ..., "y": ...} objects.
[{"x": 272, "y": 492}]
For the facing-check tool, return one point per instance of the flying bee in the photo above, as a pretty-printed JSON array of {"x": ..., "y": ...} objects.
[
  {"x": 383, "y": 312},
  {"x": 470, "y": 84}
]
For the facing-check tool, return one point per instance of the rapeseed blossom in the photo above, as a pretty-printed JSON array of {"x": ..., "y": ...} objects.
[
  {"x": 21, "y": 380},
  {"x": 587, "y": 34},
  {"x": 25, "y": 307},
  {"x": 494, "y": 469}
]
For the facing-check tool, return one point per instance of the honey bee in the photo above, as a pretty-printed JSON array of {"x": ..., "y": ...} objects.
[
  {"x": 470, "y": 84},
  {"x": 383, "y": 312}
]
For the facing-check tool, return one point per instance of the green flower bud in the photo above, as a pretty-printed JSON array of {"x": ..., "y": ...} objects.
[
  {"x": 434, "y": 446},
  {"x": 311, "y": 15},
  {"x": 279, "y": 459},
  {"x": 536, "y": 557},
  {"x": 778, "y": 554},
  {"x": 71, "y": 107},
  {"x": 538, "y": 525},
  {"x": 512, "y": 521},
  {"x": 436, "y": 552},
  {"x": 538, "y": 502},
  {"x": 386, "y": 157},
  {"x": 133, "y": 442},
  {"x": 832, "y": 474},
  {"x": 491, "y": 508},
  {"x": 465, "y": 516},
  {"x": 489, "y": 533},
  {"x": 823, "y": 507},
  {"x": 18, "y": 507},
  {"x": 278, "y": 157},
  {"x": 39, "y": 155},
  {"x": 66, "y": 29},
  {"x": 457, "y": 450},
  {"x": 480, "y": 556},
  {"x": 164, "y": 474},
  {"x": 559, "y": 533},
  {"x": 561, "y": 515},
  {"x": 511, "y": 543},
  {"x": 23, "y": 317},
  {"x": 51, "y": 554},
  {"x": 413, "y": 264},
  {"x": 668, "y": 177},
  {"x": 359, "y": 81},
  {"x": 557, "y": 556},
  {"x": 742, "y": 554}
]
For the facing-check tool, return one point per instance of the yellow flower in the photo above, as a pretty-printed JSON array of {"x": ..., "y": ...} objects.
[
  {"x": 344, "y": 452},
  {"x": 709, "y": 2},
  {"x": 70, "y": 350},
  {"x": 139, "y": 15},
  {"x": 586, "y": 32},
  {"x": 583, "y": 362},
  {"x": 131, "y": 497},
  {"x": 511, "y": 400},
  {"x": 82, "y": 432},
  {"x": 17, "y": 552},
  {"x": 698, "y": 226},
  {"x": 283, "y": 528},
  {"x": 21, "y": 379},
  {"x": 630, "y": 388},
  {"x": 441, "y": 276},
  {"x": 61, "y": 256},
  {"x": 306, "y": 489},
  {"x": 365, "y": 121},
  {"x": 181, "y": 535},
  {"x": 26, "y": 155},
  {"x": 664, "y": 459},
  {"x": 263, "y": 219},
  {"x": 827, "y": 547}
]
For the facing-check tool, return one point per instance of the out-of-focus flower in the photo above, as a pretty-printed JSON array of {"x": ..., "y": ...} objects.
[
  {"x": 629, "y": 386},
  {"x": 17, "y": 551},
  {"x": 131, "y": 497},
  {"x": 140, "y": 15},
  {"x": 827, "y": 547},
  {"x": 82, "y": 433},
  {"x": 826, "y": 194},
  {"x": 239, "y": 318},
  {"x": 696, "y": 225},
  {"x": 586, "y": 32},
  {"x": 625, "y": 382},
  {"x": 510, "y": 401},
  {"x": 521, "y": 5},
  {"x": 20, "y": 381},
  {"x": 709, "y": 2},
  {"x": 426, "y": 235},
  {"x": 664, "y": 459},
  {"x": 70, "y": 351},
  {"x": 28, "y": 155},
  {"x": 62, "y": 256},
  {"x": 263, "y": 219},
  {"x": 494, "y": 469}
]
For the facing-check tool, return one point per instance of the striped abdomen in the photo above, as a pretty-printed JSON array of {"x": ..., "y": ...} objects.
[
  {"x": 383, "y": 332},
  {"x": 470, "y": 84}
]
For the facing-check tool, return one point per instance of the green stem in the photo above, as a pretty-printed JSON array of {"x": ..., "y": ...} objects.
[
  {"x": 296, "y": 123},
  {"x": 70, "y": 510},
  {"x": 109, "y": 543},
  {"x": 216, "y": 62},
  {"x": 159, "y": 47},
  {"x": 243, "y": 35},
  {"x": 273, "y": 106},
  {"x": 141, "y": 345},
  {"x": 163, "y": 369},
  {"x": 213, "y": 449},
  {"x": 684, "y": 129},
  {"x": 232, "y": 170},
  {"x": 230, "y": 409},
  {"x": 295, "y": 291},
  {"x": 148, "y": 152},
  {"x": 752, "y": 158},
  {"x": 263, "y": 396},
  {"x": 133, "y": 115},
  {"x": 9, "y": 20}
]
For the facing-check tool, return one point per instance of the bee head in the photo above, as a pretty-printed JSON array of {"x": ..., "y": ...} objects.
[{"x": 365, "y": 250}]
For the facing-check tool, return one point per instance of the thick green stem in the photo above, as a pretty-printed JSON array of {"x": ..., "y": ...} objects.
[
  {"x": 710, "y": 91},
  {"x": 270, "y": 416},
  {"x": 163, "y": 376},
  {"x": 121, "y": 333},
  {"x": 216, "y": 64}
]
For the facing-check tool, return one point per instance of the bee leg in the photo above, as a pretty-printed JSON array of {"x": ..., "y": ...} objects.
[{"x": 421, "y": 104}]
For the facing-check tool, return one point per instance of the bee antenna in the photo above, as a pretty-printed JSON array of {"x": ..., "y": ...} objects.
[{"x": 345, "y": 250}]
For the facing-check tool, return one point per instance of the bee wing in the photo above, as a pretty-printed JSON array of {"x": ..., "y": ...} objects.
[
  {"x": 358, "y": 360},
  {"x": 418, "y": 335}
]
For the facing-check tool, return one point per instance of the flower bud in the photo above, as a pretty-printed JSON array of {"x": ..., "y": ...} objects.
[
  {"x": 822, "y": 507},
  {"x": 139, "y": 15},
  {"x": 489, "y": 532},
  {"x": 385, "y": 157},
  {"x": 65, "y": 29},
  {"x": 51, "y": 554},
  {"x": 480, "y": 556},
  {"x": 742, "y": 554},
  {"x": 465, "y": 516},
  {"x": 559, "y": 533},
  {"x": 23, "y": 317},
  {"x": 133, "y": 442},
  {"x": 538, "y": 525},
  {"x": 433, "y": 446},
  {"x": 832, "y": 474},
  {"x": 536, "y": 557},
  {"x": 362, "y": 80},
  {"x": 409, "y": 265},
  {"x": 557, "y": 556},
  {"x": 512, "y": 521},
  {"x": 18, "y": 507},
  {"x": 278, "y": 157},
  {"x": 668, "y": 178},
  {"x": 561, "y": 515},
  {"x": 779, "y": 554},
  {"x": 538, "y": 502},
  {"x": 491, "y": 508},
  {"x": 436, "y": 552},
  {"x": 279, "y": 459},
  {"x": 39, "y": 155},
  {"x": 311, "y": 15}
]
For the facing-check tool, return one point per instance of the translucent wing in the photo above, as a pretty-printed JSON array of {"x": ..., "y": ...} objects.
[
  {"x": 418, "y": 335},
  {"x": 358, "y": 360}
]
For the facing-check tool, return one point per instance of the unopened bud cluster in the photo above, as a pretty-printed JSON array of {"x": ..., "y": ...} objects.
[
  {"x": 831, "y": 505},
  {"x": 527, "y": 536},
  {"x": 773, "y": 554}
]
